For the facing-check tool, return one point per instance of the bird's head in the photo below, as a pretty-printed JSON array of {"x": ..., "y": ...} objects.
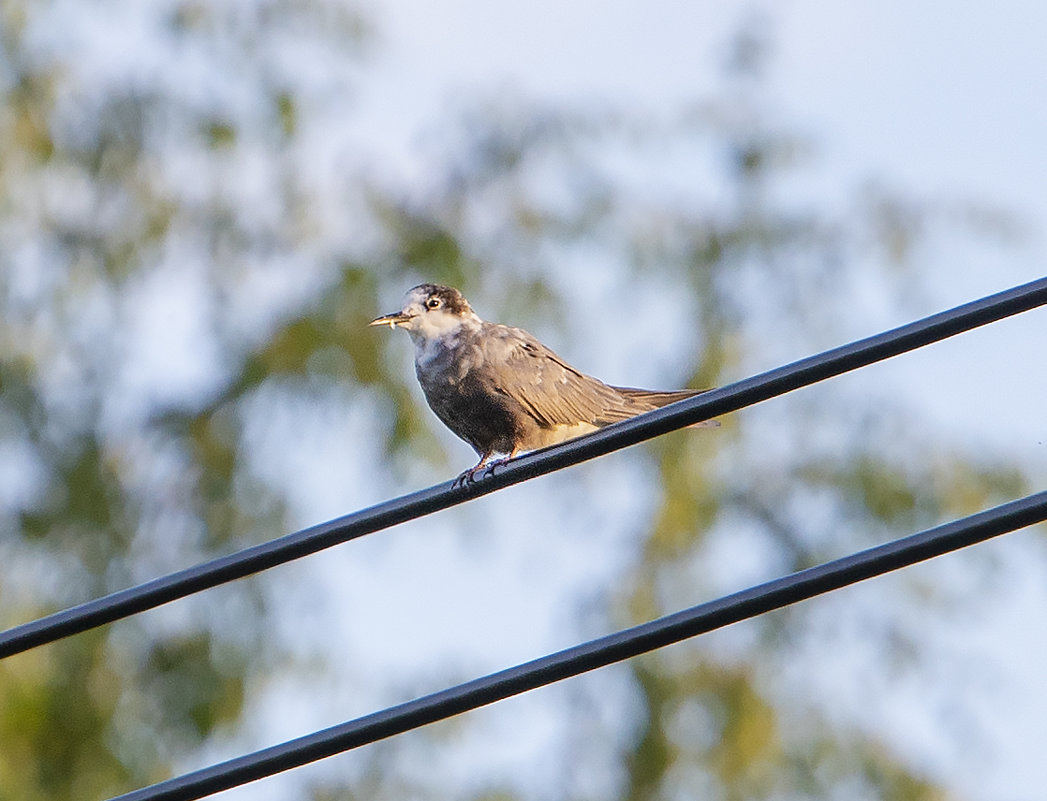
[{"x": 431, "y": 311}]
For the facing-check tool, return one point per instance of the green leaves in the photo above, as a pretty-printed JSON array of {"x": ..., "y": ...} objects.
[{"x": 531, "y": 207}]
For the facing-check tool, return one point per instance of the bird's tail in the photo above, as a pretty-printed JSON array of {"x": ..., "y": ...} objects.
[{"x": 655, "y": 399}]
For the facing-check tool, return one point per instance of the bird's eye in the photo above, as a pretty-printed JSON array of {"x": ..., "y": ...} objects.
[{"x": 433, "y": 303}]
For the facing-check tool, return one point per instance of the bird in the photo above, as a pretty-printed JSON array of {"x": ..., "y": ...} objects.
[{"x": 500, "y": 389}]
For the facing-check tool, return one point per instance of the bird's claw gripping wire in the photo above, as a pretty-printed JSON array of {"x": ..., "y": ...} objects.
[
  {"x": 468, "y": 477},
  {"x": 484, "y": 468},
  {"x": 490, "y": 467}
]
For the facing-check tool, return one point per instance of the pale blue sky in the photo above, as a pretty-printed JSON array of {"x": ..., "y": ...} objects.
[{"x": 941, "y": 100}]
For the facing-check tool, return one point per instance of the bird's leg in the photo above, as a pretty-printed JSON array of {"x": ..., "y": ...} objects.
[
  {"x": 469, "y": 476},
  {"x": 499, "y": 462}
]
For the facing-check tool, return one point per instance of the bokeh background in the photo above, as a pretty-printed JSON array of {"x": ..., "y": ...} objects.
[{"x": 203, "y": 203}]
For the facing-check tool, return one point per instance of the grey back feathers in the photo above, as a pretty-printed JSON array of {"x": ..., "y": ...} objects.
[{"x": 499, "y": 388}]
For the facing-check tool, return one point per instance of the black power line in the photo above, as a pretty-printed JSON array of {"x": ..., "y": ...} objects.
[
  {"x": 861, "y": 353},
  {"x": 600, "y": 652}
]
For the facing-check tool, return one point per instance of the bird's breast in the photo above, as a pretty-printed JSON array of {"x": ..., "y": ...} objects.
[{"x": 441, "y": 365}]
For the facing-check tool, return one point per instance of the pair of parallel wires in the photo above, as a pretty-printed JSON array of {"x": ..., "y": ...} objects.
[{"x": 596, "y": 653}]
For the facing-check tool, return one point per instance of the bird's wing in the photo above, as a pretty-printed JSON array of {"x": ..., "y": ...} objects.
[
  {"x": 654, "y": 399},
  {"x": 548, "y": 388},
  {"x": 649, "y": 399}
]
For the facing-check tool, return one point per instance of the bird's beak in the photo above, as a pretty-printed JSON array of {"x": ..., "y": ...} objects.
[{"x": 391, "y": 320}]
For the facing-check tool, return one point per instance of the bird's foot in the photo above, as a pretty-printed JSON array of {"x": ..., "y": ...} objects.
[
  {"x": 468, "y": 477},
  {"x": 485, "y": 469},
  {"x": 490, "y": 466}
]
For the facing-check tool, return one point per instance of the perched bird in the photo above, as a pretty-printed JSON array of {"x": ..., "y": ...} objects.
[{"x": 499, "y": 388}]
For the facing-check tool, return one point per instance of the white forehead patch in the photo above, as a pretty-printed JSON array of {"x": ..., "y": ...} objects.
[{"x": 416, "y": 296}]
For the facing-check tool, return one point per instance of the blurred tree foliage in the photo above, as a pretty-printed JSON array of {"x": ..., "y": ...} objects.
[{"x": 194, "y": 157}]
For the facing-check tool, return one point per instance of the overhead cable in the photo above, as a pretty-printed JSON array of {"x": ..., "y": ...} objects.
[
  {"x": 599, "y": 652},
  {"x": 714, "y": 403}
]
